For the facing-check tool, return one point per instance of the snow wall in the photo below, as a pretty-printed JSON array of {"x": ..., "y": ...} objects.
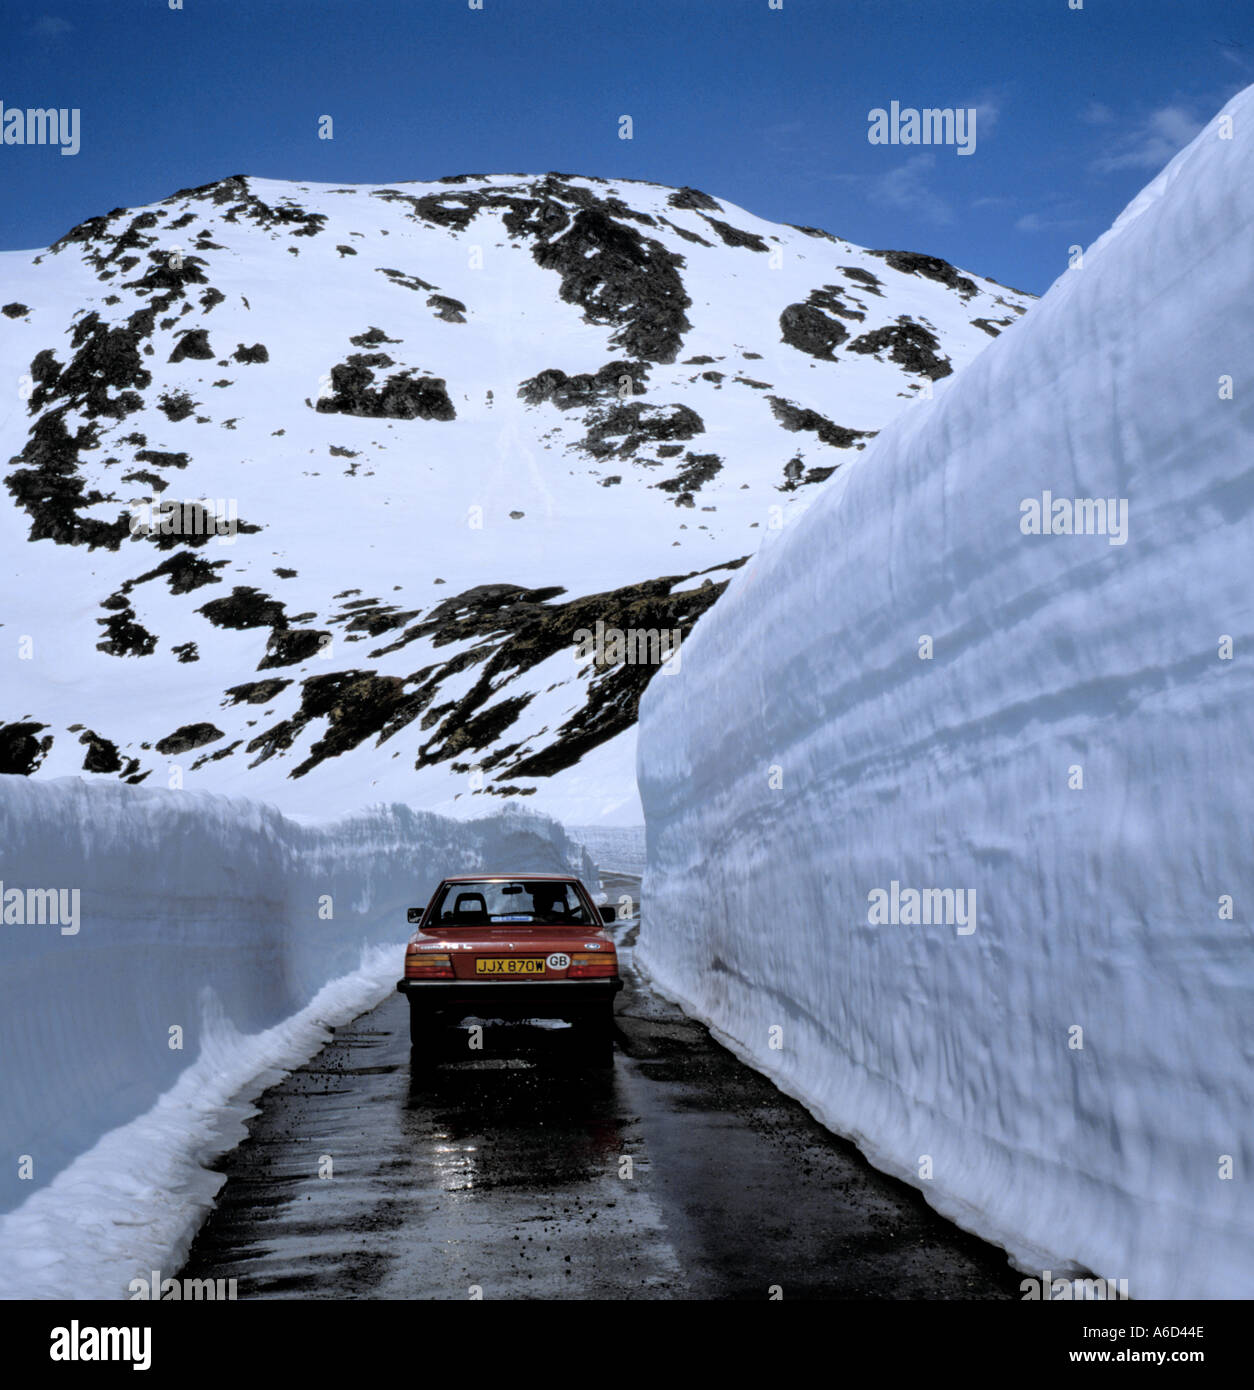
[
  {"x": 198, "y": 912},
  {"x": 811, "y": 754}
]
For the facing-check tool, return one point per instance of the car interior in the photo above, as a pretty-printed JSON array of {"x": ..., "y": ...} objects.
[{"x": 536, "y": 902}]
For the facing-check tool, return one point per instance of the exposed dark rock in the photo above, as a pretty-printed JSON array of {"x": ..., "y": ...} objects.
[
  {"x": 910, "y": 345},
  {"x": 218, "y": 756},
  {"x": 124, "y": 636},
  {"x": 513, "y": 630},
  {"x": 797, "y": 475},
  {"x": 372, "y": 337},
  {"x": 187, "y": 738},
  {"x": 185, "y": 571},
  {"x": 409, "y": 282},
  {"x": 813, "y": 231},
  {"x": 622, "y": 429},
  {"x": 175, "y": 405},
  {"x": 808, "y": 329},
  {"x": 102, "y": 755},
  {"x": 403, "y": 396},
  {"x": 20, "y": 751},
  {"x": 161, "y": 458},
  {"x": 244, "y": 607},
  {"x": 694, "y": 199},
  {"x": 193, "y": 343},
  {"x": 992, "y": 327},
  {"x": 53, "y": 493},
  {"x": 257, "y": 692},
  {"x": 932, "y": 267},
  {"x": 828, "y": 298},
  {"x": 698, "y": 469},
  {"x": 241, "y": 203},
  {"x": 794, "y": 417},
  {"x": 586, "y": 388},
  {"x": 14, "y": 310},
  {"x": 869, "y": 283},
  {"x": 617, "y": 276},
  {"x": 686, "y": 234},
  {"x": 105, "y": 359},
  {"x": 171, "y": 275},
  {"x": 290, "y": 645},
  {"x": 450, "y": 310},
  {"x": 257, "y": 353},
  {"x": 150, "y": 480},
  {"x": 614, "y": 273},
  {"x": 733, "y": 236}
]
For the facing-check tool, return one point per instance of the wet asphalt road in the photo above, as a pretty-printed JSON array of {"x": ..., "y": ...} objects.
[{"x": 521, "y": 1171}]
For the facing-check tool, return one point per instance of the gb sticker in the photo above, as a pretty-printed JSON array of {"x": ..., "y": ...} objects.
[{"x": 559, "y": 960}]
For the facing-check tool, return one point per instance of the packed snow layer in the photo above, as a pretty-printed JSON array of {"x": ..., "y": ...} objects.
[
  {"x": 221, "y": 918},
  {"x": 616, "y": 848},
  {"x": 811, "y": 754}
]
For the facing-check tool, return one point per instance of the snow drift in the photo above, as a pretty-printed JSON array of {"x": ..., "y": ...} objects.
[
  {"x": 221, "y": 918},
  {"x": 908, "y": 690}
]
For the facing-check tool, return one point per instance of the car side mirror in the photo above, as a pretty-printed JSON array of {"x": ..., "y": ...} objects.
[
  {"x": 414, "y": 914},
  {"x": 607, "y": 914}
]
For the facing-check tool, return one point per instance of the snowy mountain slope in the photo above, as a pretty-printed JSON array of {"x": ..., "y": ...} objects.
[
  {"x": 454, "y": 424},
  {"x": 1070, "y": 760}
]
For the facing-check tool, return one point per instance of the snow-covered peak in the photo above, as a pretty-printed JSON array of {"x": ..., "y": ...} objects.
[{"x": 445, "y": 427}]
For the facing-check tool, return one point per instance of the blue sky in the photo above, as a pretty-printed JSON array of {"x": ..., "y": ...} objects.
[{"x": 1076, "y": 109}]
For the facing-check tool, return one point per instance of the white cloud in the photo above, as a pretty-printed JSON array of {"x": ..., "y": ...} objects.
[
  {"x": 1152, "y": 143},
  {"x": 987, "y": 113},
  {"x": 906, "y": 187},
  {"x": 1043, "y": 222}
]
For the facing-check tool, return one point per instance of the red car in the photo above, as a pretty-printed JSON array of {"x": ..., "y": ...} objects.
[{"x": 511, "y": 947}]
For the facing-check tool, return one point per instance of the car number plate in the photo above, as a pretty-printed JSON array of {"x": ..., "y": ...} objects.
[{"x": 510, "y": 965}]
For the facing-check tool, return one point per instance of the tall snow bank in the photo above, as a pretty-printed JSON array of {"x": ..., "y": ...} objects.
[
  {"x": 216, "y": 918},
  {"x": 811, "y": 755}
]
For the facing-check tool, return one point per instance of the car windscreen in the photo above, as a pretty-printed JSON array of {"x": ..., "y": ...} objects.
[{"x": 522, "y": 900}]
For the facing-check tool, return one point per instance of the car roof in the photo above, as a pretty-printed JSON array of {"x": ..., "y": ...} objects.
[{"x": 506, "y": 878}]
